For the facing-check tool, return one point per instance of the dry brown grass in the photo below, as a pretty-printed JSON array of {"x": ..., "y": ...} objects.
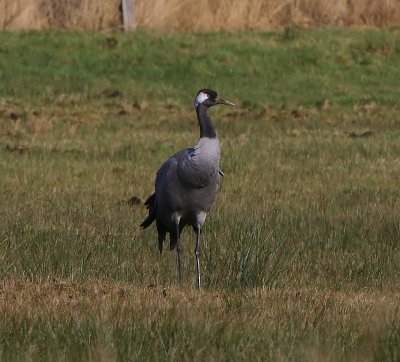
[
  {"x": 205, "y": 15},
  {"x": 363, "y": 317},
  {"x": 201, "y": 15},
  {"x": 257, "y": 308},
  {"x": 61, "y": 14}
]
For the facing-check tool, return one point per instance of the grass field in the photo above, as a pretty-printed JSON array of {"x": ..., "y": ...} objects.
[{"x": 301, "y": 254}]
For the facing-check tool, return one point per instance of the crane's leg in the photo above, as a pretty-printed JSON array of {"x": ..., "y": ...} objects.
[
  {"x": 197, "y": 254},
  {"x": 178, "y": 253}
]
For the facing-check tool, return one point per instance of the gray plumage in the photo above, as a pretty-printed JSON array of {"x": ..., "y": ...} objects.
[{"x": 187, "y": 183}]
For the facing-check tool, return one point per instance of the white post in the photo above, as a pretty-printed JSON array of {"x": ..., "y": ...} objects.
[{"x": 128, "y": 14}]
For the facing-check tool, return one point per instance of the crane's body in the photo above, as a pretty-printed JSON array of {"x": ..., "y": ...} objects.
[{"x": 187, "y": 183}]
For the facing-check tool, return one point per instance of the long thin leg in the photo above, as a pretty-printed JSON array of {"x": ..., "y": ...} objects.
[
  {"x": 197, "y": 254},
  {"x": 178, "y": 253}
]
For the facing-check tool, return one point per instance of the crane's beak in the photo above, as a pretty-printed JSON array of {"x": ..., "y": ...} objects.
[{"x": 223, "y": 101}]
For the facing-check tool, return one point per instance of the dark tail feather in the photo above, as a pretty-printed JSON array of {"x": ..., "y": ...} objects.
[
  {"x": 151, "y": 201},
  {"x": 161, "y": 235},
  {"x": 151, "y": 206}
]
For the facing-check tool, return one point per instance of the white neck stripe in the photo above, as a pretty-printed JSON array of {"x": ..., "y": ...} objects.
[{"x": 201, "y": 97}]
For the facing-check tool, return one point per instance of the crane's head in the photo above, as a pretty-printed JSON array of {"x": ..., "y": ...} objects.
[{"x": 209, "y": 97}]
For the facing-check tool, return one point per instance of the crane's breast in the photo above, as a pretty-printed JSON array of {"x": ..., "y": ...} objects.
[
  {"x": 196, "y": 176},
  {"x": 199, "y": 167}
]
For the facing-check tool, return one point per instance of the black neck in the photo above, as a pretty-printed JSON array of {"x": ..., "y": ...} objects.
[{"x": 206, "y": 127}]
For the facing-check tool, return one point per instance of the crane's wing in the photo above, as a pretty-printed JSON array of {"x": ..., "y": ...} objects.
[
  {"x": 151, "y": 202},
  {"x": 160, "y": 183},
  {"x": 162, "y": 173}
]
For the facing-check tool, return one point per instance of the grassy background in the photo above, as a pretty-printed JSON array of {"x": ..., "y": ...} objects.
[{"x": 301, "y": 256}]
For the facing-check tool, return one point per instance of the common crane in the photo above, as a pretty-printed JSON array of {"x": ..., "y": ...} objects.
[{"x": 187, "y": 183}]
